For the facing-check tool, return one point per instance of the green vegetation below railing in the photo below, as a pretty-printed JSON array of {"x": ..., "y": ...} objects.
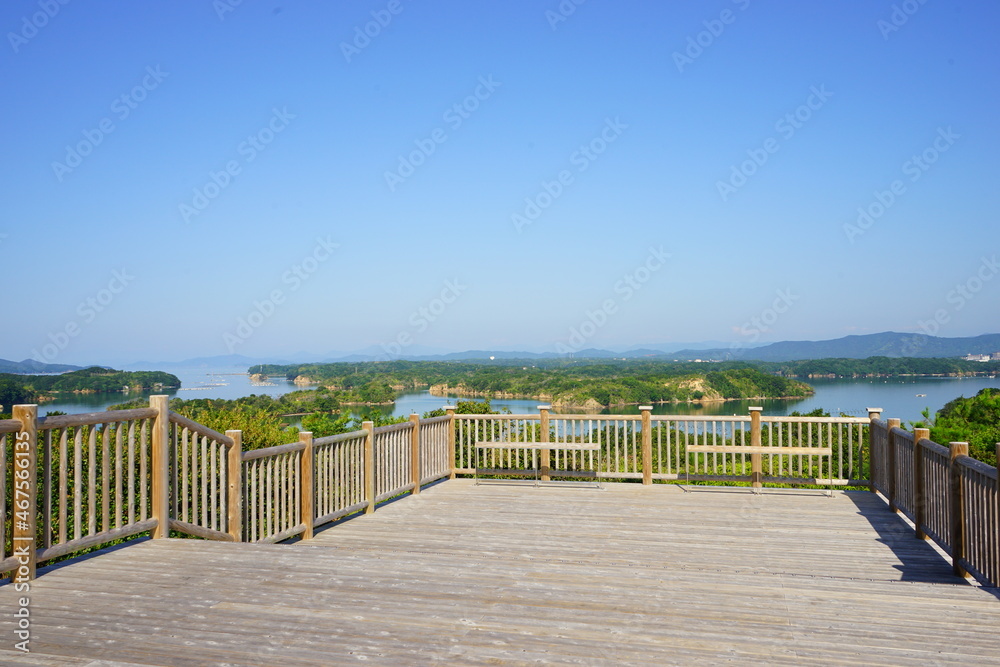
[
  {"x": 263, "y": 419},
  {"x": 975, "y": 420}
]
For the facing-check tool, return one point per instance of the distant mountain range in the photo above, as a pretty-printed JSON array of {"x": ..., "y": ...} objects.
[
  {"x": 887, "y": 344},
  {"x": 30, "y": 366}
]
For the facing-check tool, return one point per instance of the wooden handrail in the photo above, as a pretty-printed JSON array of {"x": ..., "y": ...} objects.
[
  {"x": 392, "y": 428},
  {"x": 200, "y": 429},
  {"x": 775, "y": 450},
  {"x": 9, "y": 426},
  {"x": 340, "y": 437},
  {"x": 92, "y": 418},
  {"x": 466, "y": 417},
  {"x": 435, "y": 420},
  {"x": 814, "y": 420},
  {"x": 277, "y": 450},
  {"x": 983, "y": 469},
  {"x": 935, "y": 448},
  {"x": 675, "y": 418}
]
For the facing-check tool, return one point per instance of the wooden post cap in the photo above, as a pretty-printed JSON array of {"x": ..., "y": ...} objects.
[{"x": 758, "y": 409}]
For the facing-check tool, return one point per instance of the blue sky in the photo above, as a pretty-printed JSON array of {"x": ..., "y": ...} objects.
[{"x": 195, "y": 178}]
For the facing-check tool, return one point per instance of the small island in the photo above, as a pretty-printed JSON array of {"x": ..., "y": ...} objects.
[
  {"x": 594, "y": 384},
  {"x": 96, "y": 379}
]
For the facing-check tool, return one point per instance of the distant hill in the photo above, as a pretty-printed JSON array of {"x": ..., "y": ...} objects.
[
  {"x": 225, "y": 360},
  {"x": 887, "y": 344},
  {"x": 30, "y": 366}
]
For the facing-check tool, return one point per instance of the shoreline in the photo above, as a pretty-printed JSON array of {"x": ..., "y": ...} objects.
[{"x": 591, "y": 403}]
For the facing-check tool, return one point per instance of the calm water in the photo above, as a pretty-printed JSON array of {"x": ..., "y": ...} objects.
[
  {"x": 898, "y": 397},
  {"x": 195, "y": 383}
]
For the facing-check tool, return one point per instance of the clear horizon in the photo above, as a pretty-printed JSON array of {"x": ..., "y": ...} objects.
[{"x": 266, "y": 180}]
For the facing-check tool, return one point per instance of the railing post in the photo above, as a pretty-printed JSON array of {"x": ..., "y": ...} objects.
[
  {"x": 234, "y": 499},
  {"x": 647, "y": 444},
  {"x": 24, "y": 492},
  {"x": 415, "y": 452},
  {"x": 160, "y": 466},
  {"x": 957, "y": 508},
  {"x": 919, "y": 514},
  {"x": 306, "y": 483},
  {"x": 543, "y": 463},
  {"x": 890, "y": 456},
  {"x": 756, "y": 468},
  {"x": 369, "y": 466},
  {"x": 450, "y": 409},
  {"x": 874, "y": 414}
]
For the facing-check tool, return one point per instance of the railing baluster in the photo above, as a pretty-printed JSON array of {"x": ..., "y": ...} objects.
[
  {"x": 127, "y": 483},
  {"x": 46, "y": 491},
  {"x": 63, "y": 484},
  {"x": 92, "y": 480},
  {"x": 119, "y": 484},
  {"x": 106, "y": 476}
]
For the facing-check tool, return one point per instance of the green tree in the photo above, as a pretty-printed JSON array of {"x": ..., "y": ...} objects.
[
  {"x": 974, "y": 420},
  {"x": 15, "y": 392}
]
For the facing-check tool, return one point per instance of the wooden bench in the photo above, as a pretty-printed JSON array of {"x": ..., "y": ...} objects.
[
  {"x": 756, "y": 452},
  {"x": 536, "y": 446}
]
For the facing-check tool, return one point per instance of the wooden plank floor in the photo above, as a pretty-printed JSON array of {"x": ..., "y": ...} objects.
[{"x": 466, "y": 574}]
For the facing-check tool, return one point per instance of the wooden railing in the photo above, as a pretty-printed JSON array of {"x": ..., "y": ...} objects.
[
  {"x": 84, "y": 476},
  {"x": 275, "y": 494},
  {"x": 339, "y": 470},
  {"x": 76, "y": 482},
  {"x": 435, "y": 457},
  {"x": 393, "y": 464},
  {"x": 199, "y": 481},
  {"x": 651, "y": 447},
  {"x": 82, "y": 481},
  {"x": 951, "y": 498}
]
